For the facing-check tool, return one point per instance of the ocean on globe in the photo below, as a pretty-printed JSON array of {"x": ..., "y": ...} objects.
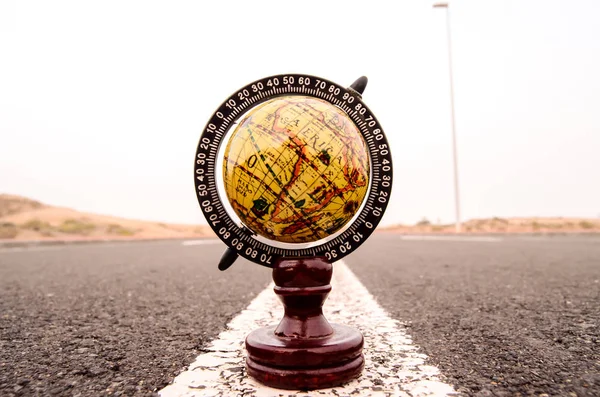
[{"x": 296, "y": 169}]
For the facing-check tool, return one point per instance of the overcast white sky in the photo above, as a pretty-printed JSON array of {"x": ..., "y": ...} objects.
[{"x": 102, "y": 103}]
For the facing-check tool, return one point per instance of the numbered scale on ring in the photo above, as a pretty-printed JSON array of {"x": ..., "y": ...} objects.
[{"x": 293, "y": 166}]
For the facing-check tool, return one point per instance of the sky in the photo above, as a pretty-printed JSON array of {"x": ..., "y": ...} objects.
[{"x": 102, "y": 103}]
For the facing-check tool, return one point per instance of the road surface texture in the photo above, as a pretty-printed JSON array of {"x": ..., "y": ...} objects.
[
  {"x": 118, "y": 319},
  {"x": 517, "y": 316},
  {"x": 498, "y": 319}
]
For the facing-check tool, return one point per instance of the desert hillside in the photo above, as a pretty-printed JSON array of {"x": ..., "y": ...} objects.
[
  {"x": 25, "y": 219},
  {"x": 507, "y": 225}
]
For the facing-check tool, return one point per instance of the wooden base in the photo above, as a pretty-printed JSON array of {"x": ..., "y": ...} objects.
[
  {"x": 304, "y": 351},
  {"x": 310, "y": 364}
]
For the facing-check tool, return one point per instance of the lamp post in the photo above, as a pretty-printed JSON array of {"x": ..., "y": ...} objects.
[{"x": 454, "y": 152}]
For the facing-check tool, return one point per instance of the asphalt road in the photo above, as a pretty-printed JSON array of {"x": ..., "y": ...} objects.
[
  {"x": 515, "y": 317},
  {"x": 118, "y": 319}
]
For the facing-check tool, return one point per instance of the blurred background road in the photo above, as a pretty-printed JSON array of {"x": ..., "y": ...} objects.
[{"x": 504, "y": 316}]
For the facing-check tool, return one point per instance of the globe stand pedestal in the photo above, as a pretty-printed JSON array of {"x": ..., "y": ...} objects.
[{"x": 304, "y": 351}]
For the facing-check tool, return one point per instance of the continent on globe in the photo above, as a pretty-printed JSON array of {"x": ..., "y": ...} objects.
[{"x": 296, "y": 169}]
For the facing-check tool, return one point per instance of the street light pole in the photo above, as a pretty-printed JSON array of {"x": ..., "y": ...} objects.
[{"x": 454, "y": 151}]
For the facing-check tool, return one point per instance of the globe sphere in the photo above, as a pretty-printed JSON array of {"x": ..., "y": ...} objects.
[{"x": 296, "y": 169}]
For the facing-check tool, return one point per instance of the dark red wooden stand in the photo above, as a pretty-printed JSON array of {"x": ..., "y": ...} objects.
[{"x": 304, "y": 351}]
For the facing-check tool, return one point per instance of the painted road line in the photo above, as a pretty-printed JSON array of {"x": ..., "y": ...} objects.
[
  {"x": 201, "y": 242},
  {"x": 393, "y": 365},
  {"x": 27, "y": 249},
  {"x": 565, "y": 238},
  {"x": 95, "y": 244},
  {"x": 486, "y": 239}
]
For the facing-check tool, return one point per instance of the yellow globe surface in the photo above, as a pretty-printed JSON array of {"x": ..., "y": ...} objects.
[{"x": 296, "y": 169}]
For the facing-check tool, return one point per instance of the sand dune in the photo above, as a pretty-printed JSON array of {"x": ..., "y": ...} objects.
[
  {"x": 507, "y": 225},
  {"x": 22, "y": 218},
  {"x": 25, "y": 219}
]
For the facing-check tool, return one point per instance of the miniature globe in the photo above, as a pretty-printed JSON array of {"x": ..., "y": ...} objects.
[{"x": 296, "y": 169}]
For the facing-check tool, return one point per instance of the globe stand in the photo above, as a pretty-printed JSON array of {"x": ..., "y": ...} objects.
[{"x": 304, "y": 351}]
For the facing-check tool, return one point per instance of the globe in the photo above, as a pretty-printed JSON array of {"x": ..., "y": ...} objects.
[{"x": 296, "y": 169}]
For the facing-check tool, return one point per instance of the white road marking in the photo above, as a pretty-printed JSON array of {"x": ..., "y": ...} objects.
[
  {"x": 393, "y": 365},
  {"x": 201, "y": 242},
  {"x": 96, "y": 244},
  {"x": 32, "y": 248},
  {"x": 560, "y": 239},
  {"x": 487, "y": 239}
]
